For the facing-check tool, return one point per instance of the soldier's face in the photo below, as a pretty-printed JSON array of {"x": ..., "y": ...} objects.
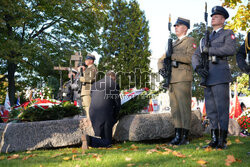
[
  {"x": 89, "y": 62},
  {"x": 217, "y": 20},
  {"x": 180, "y": 30}
]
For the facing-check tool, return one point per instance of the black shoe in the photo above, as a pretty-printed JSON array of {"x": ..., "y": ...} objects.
[
  {"x": 214, "y": 141},
  {"x": 184, "y": 139},
  {"x": 177, "y": 138},
  {"x": 222, "y": 143}
]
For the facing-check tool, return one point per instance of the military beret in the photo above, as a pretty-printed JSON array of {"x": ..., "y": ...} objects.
[
  {"x": 220, "y": 10},
  {"x": 180, "y": 20},
  {"x": 90, "y": 56}
]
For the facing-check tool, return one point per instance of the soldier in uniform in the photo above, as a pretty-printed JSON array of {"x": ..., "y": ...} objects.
[
  {"x": 243, "y": 57},
  {"x": 181, "y": 81},
  {"x": 70, "y": 86},
  {"x": 87, "y": 79},
  {"x": 222, "y": 44}
]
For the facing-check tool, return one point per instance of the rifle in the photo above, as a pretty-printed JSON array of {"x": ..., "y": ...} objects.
[
  {"x": 167, "y": 60},
  {"x": 204, "y": 56}
]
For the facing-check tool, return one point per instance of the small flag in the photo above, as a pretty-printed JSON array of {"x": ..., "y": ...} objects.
[{"x": 18, "y": 100}]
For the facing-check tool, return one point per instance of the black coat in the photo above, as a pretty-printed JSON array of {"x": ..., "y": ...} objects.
[
  {"x": 104, "y": 107},
  {"x": 241, "y": 55}
]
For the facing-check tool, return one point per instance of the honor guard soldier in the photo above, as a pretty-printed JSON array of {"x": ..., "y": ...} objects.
[
  {"x": 87, "y": 78},
  {"x": 243, "y": 56},
  {"x": 181, "y": 81},
  {"x": 70, "y": 86},
  {"x": 222, "y": 44}
]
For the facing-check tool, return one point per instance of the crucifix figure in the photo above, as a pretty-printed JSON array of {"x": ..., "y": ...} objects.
[{"x": 77, "y": 59}]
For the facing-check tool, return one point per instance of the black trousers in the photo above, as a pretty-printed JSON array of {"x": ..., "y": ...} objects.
[{"x": 217, "y": 102}]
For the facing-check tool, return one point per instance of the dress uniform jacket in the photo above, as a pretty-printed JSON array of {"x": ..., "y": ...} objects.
[
  {"x": 88, "y": 79},
  {"x": 241, "y": 55},
  {"x": 222, "y": 45},
  {"x": 180, "y": 83},
  {"x": 182, "y": 52},
  {"x": 104, "y": 107}
]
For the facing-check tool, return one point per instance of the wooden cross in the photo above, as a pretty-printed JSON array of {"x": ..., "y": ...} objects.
[{"x": 77, "y": 58}]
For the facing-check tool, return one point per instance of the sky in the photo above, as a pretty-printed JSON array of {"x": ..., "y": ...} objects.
[{"x": 157, "y": 13}]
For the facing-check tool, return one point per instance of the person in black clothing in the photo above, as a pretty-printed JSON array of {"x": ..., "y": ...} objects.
[{"x": 104, "y": 109}]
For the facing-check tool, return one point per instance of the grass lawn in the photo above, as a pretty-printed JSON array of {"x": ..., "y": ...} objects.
[{"x": 142, "y": 154}]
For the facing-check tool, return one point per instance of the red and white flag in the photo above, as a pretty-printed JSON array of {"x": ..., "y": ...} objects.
[
  {"x": 7, "y": 108},
  {"x": 236, "y": 109}
]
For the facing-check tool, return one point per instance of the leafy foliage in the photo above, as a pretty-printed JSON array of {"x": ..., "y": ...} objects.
[
  {"x": 40, "y": 114},
  {"x": 241, "y": 20},
  {"x": 243, "y": 84},
  {"x": 125, "y": 47},
  {"x": 39, "y": 34}
]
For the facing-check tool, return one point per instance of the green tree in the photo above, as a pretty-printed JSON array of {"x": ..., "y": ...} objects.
[
  {"x": 39, "y": 34},
  {"x": 125, "y": 47}
]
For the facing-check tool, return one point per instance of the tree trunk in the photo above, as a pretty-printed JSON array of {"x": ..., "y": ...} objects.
[{"x": 11, "y": 82}]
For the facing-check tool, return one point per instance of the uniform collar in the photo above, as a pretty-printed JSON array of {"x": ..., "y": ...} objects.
[
  {"x": 218, "y": 29},
  {"x": 182, "y": 37}
]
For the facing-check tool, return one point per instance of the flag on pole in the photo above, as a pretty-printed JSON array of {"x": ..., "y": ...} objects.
[
  {"x": 7, "y": 108},
  {"x": 18, "y": 100},
  {"x": 236, "y": 109}
]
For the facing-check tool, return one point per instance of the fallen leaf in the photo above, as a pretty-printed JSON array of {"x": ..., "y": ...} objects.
[
  {"x": 28, "y": 152},
  {"x": 167, "y": 149},
  {"x": 77, "y": 166},
  {"x": 197, "y": 148},
  {"x": 74, "y": 151},
  {"x": 14, "y": 156},
  {"x": 66, "y": 158},
  {"x": 238, "y": 160},
  {"x": 238, "y": 141},
  {"x": 73, "y": 157},
  {"x": 2, "y": 157},
  {"x": 230, "y": 159},
  {"x": 201, "y": 162},
  {"x": 125, "y": 150},
  {"x": 190, "y": 155},
  {"x": 201, "y": 144},
  {"x": 151, "y": 151},
  {"x": 130, "y": 164},
  {"x": 26, "y": 157},
  {"x": 98, "y": 158},
  {"x": 183, "y": 161},
  {"x": 178, "y": 154},
  {"x": 229, "y": 142},
  {"x": 208, "y": 149},
  {"x": 128, "y": 159},
  {"x": 57, "y": 155},
  {"x": 165, "y": 153},
  {"x": 134, "y": 147}
]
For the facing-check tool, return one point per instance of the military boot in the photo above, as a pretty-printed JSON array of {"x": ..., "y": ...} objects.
[
  {"x": 222, "y": 143},
  {"x": 177, "y": 138},
  {"x": 184, "y": 139},
  {"x": 214, "y": 141}
]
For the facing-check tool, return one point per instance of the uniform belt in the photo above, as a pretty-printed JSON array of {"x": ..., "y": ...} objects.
[
  {"x": 176, "y": 63},
  {"x": 217, "y": 57}
]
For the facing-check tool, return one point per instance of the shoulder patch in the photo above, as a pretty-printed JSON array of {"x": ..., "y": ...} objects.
[
  {"x": 194, "y": 46},
  {"x": 232, "y": 36}
]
